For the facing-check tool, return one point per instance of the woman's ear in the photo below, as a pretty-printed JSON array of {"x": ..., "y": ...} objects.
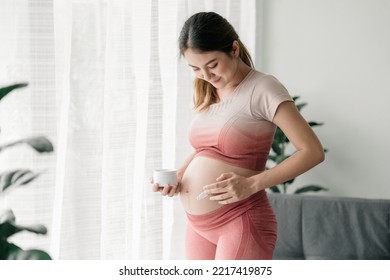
[{"x": 236, "y": 48}]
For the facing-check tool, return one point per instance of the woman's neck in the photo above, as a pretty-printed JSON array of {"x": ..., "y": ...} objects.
[{"x": 240, "y": 74}]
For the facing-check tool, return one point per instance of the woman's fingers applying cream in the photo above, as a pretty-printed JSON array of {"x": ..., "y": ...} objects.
[{"x": 228, "y": 188}]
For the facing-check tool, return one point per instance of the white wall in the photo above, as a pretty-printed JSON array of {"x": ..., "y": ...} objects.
[{"x": 335, "y": 54}]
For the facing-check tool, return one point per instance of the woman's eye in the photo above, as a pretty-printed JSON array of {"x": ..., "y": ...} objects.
[{"x": 213, "y": 66}]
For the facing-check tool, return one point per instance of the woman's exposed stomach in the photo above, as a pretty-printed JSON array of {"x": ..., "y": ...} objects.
[{"x": 200, "y": 172}]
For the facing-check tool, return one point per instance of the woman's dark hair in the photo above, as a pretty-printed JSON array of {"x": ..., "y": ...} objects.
[{"x": 208, "y": 31}]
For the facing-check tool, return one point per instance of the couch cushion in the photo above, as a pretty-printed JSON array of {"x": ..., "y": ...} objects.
[
  {"x": 345, "y": 228},
  {"x": 288, "y": 211},
  {"x": 331, "y": 227}
]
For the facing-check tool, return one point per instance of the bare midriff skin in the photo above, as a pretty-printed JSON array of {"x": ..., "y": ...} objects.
[{"x": 200, "y": 172}]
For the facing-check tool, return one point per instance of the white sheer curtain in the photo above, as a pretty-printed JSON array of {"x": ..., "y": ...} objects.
[{"x": 106, "y": 85}]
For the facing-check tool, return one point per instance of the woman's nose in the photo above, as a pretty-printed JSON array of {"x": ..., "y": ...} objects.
[{"x": 207, "y": 75}]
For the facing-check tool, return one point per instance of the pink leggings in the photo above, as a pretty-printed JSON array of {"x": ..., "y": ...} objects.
[{"x": 245, "y": 230}]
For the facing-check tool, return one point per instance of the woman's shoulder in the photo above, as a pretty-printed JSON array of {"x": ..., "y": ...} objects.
[
  {"x": 268, "y": 92},
  {"x": 265, "y": 81}
]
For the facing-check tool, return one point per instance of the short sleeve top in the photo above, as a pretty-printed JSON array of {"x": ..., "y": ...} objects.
[{"x": 239, "y": 130}]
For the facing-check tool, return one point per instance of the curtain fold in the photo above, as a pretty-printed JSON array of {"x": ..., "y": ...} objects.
[{"x": 107, "y": 86}]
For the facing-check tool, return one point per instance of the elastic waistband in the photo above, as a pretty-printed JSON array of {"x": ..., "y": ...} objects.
[{"x": 228, "y": 212}]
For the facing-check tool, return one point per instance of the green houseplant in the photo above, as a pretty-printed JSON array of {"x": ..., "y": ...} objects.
[
  {"x": 279, "y": 153},
  {"x": 13, "y": 179}
]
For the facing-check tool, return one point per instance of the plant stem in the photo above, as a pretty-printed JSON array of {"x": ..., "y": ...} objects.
[{"x": 284, "y": 188}]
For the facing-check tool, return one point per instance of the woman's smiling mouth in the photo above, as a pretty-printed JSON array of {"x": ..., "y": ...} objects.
[{"x": 215, "y": 81}]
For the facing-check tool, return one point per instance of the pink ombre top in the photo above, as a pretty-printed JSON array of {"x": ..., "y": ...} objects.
[{"x": 239, "y": 130}]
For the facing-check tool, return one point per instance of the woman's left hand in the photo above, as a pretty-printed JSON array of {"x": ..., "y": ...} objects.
[{"x": 229, "y": 188}]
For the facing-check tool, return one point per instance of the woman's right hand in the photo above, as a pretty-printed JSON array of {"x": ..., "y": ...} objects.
[
  {"x": 173, "y": 190},
  {"x": 166, "y": 190}
]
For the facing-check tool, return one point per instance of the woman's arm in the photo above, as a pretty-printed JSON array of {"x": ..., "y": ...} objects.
[
  {"x": 231, "y": 187},
  {"x": 309, "y": 149}
]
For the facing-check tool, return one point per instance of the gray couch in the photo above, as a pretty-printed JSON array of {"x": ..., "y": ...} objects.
[{"x": 331, "y": 228}]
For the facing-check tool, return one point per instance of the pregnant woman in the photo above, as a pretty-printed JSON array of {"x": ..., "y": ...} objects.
[{"x": 222, "y": 184}]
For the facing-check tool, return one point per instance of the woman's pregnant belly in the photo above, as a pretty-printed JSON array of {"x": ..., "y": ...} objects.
[{"x": 200, "y": 172}]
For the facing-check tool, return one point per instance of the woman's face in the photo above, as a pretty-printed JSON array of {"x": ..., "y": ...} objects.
[{"x": 215, "y": 67}]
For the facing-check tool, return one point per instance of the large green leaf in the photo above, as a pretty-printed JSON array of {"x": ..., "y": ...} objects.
[
  {"x": 5, "y": 90},
  {"x": 279, "y": 137},
  {"x": 272, "y": 157},
  {"x": 8, "y": 226},
  {"x": 17, "y": 253},
  {"x": 13, "y": 252},
  {"x": 281, "y": 158},
  {"x": 16, "y": 178},
  {"x": 276, "y": 148},
  {"x": 315, "y": 124},
  {"x": 275, "y": 189},
  {"x": 289, "y": 182},
  {"x": 295, "y": 98},
  {"x": 301, "y": 105},
  {"x": 39, "y": 143},
  {"x": 310, "y": 188},
  {"x": 5, "y": 248}
]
